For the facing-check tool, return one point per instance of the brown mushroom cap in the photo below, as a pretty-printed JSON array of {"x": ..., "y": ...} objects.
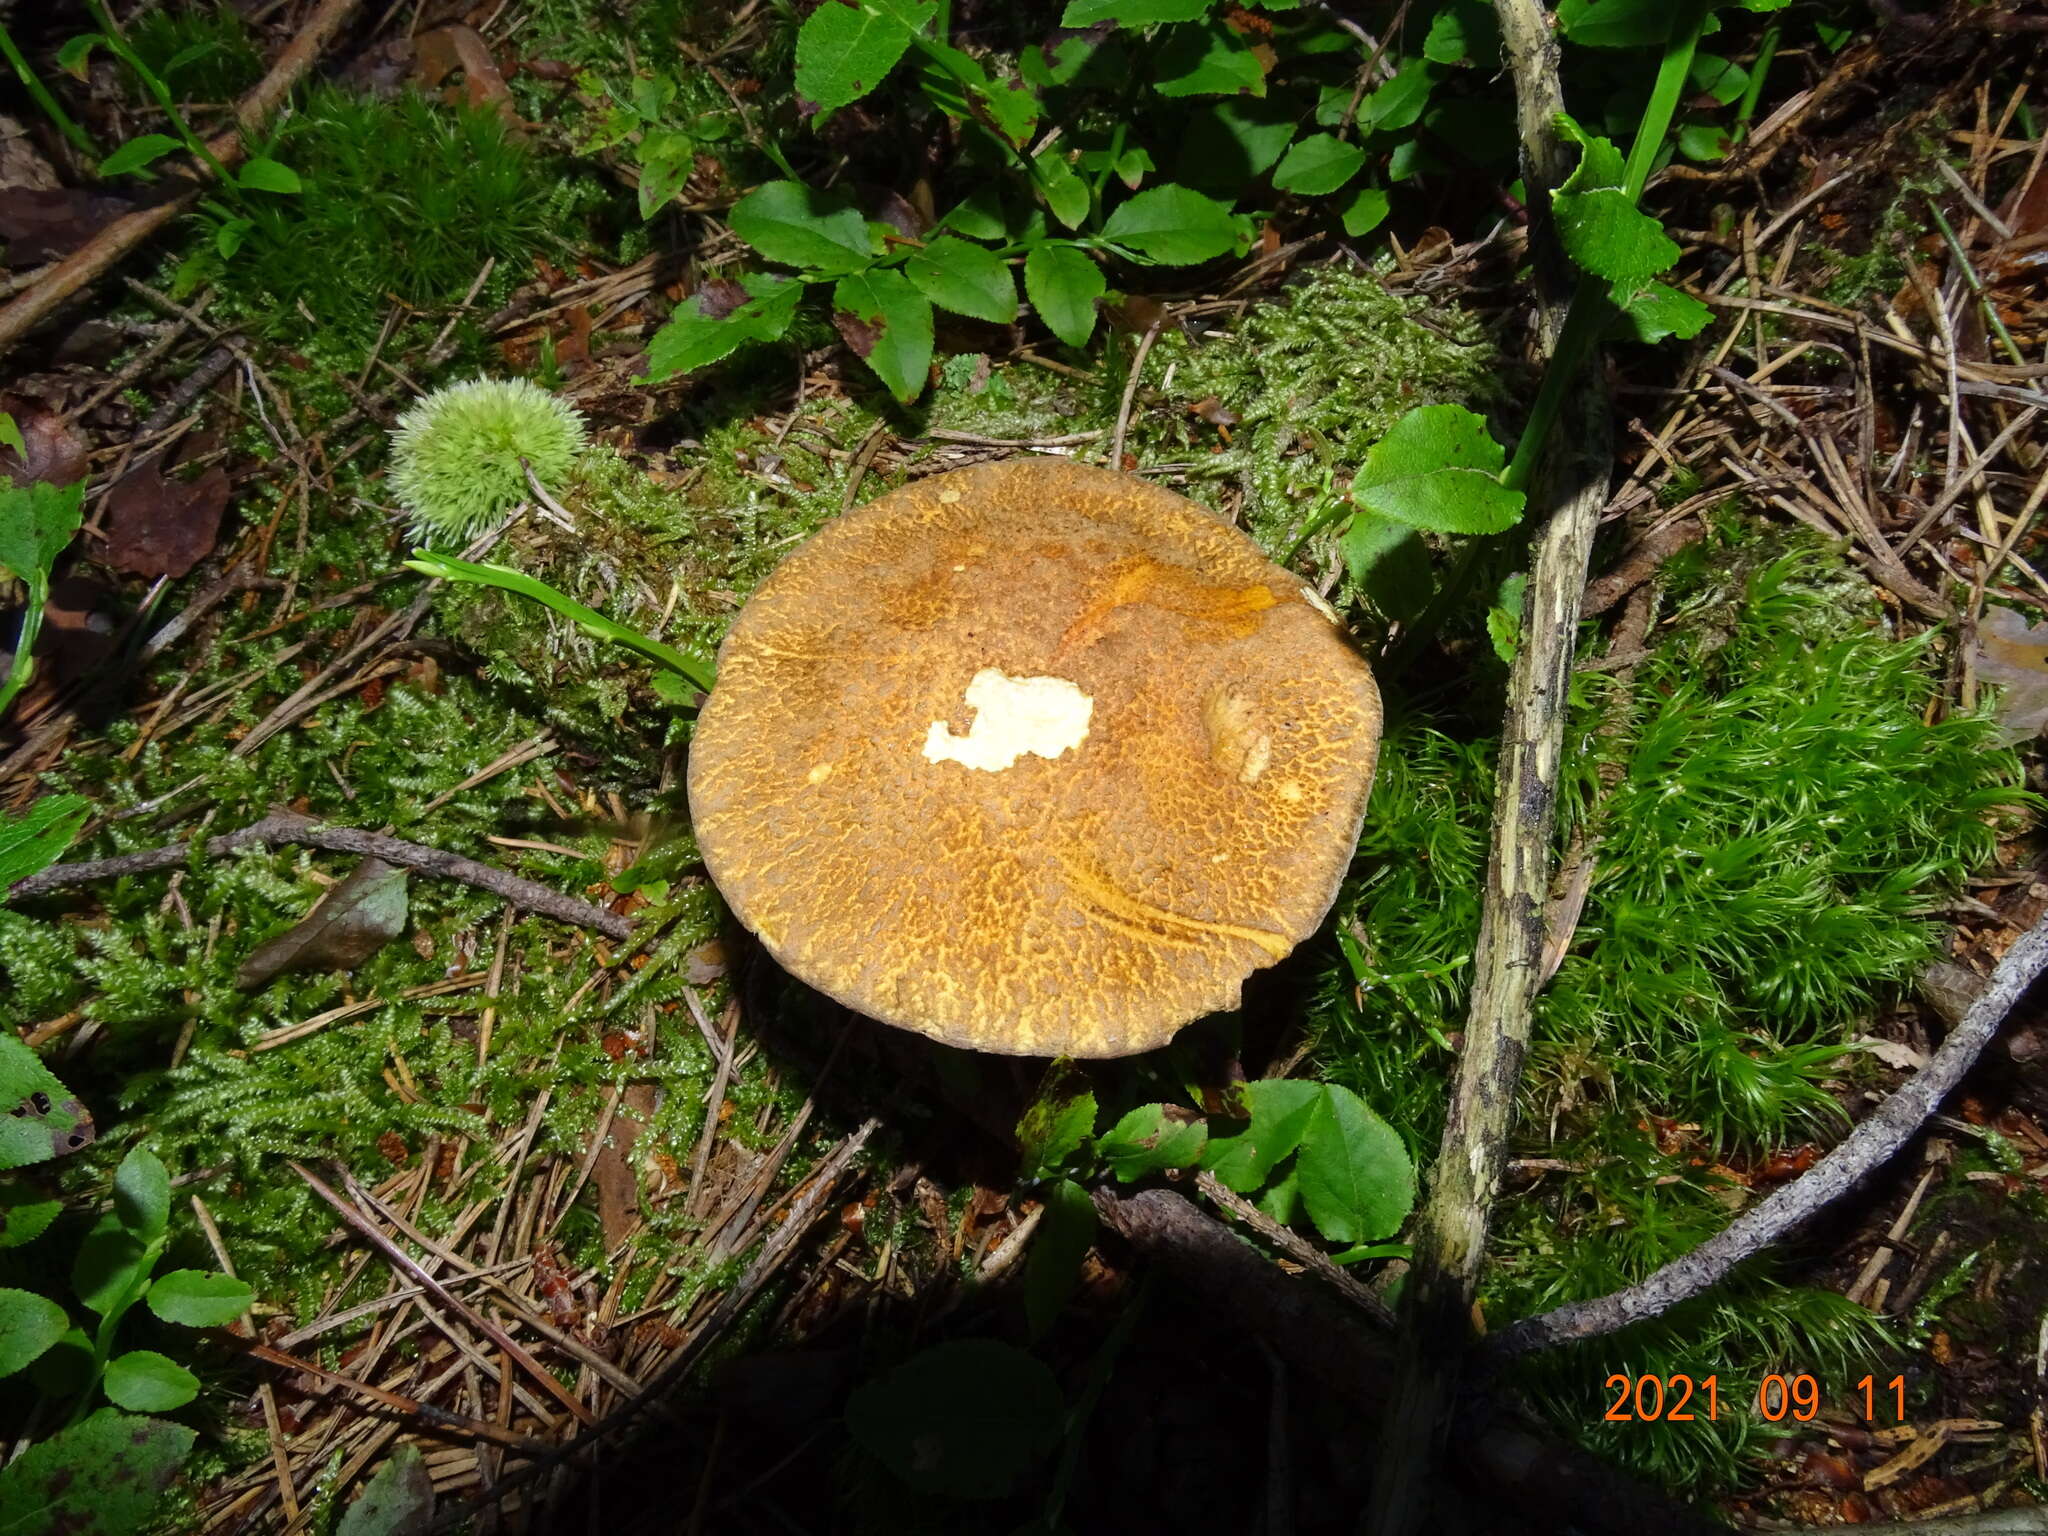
[{"x": 1033, "y": 758}]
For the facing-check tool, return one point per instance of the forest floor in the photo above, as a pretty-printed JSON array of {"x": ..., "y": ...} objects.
[{"x": 591, "y": 1214}]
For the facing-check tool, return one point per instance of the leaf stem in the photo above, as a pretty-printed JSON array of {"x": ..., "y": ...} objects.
[{"x": 40, "y": 93}]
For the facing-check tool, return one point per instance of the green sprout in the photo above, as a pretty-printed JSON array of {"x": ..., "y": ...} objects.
[{"x": 461, "y": 458}]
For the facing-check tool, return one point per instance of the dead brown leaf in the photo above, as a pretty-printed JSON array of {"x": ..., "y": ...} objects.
[
  {"x": 56, "y": 454},
  {"x": 155, "y": 526},
  {"x": 349, "y": 924}
]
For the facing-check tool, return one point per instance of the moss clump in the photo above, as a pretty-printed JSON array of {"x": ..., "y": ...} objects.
[{"x": 460, "y": 457}]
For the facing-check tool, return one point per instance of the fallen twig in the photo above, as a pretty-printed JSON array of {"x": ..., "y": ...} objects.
[
  {"x": 98, "y": 255},
  {"x": 290, "y": 827},
  {"x": 1865, "y": 1149}
]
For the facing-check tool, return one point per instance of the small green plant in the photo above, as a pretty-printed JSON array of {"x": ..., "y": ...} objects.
[
  {"x": 461, "y": 456},
  {"x": 37, "y": 523},
  {"x": 664, "y": 123}
]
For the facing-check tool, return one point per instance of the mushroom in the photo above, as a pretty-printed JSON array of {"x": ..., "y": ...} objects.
[{"x": 1033, "y": 758}]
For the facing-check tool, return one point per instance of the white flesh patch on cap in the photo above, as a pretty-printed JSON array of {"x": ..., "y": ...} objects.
[{"x": 1013, "y": 716}]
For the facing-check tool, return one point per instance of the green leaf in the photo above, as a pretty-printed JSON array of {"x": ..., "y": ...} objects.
[
  {"x": 667, "y": 159},
  {"x": 1437, "y": 468},
  {"x": 965, "y": 278},
  {"x": 1399, "y": 102},
  {"x": 229, "y": 237},
  {"x": 1718, "y": 77},
  {"x": 1063, "y": 285},
  {"x": 1504, "y": 619},
  {"x": 1653, "y": 311},
  {"x": 29, "y": 1324},
  {"x": 789, "y": 222},
  {"x": 1356, "y": 1178},
  {"x": 102, "y": 1477},
  {"x": 1233, "y": 142},
  {"x": 39, "y": 1117},
  {"x": 1278, "y": 1203},
  {"x": 397, "y": 1501},
  {"x": 1132, "y": 13},
  {"x": 138, "y": 152},
  {"x": 1057, "y": 1121},
  {"x": 1052, "y": 1269},
  {"x": 10, "y": 435},
  {"x": 844, "y": 51},
  {"x": 25, "y": 1213},
  {"x": 36, "y": 522},
  {"x": 1705, "y": 141},
  {"x": 1133, "y": 166},
  {"x": 979, "y": 217},
  {"x": 1366, "y": 212},
  {"x": 265, "y": 175},
  {"x": 1318, "y": 165},
  {"x": 199, "y": 1298},
  {"x": 1209, "y": 60},
  {"x": 693, "y": 340},
  {"x": 1462, "y": 30},
  {"x": 1172, "y": 225},
  {"x": 72, "y": 56},
  {"x": 1599, "y": 224},
  {"x": 1150, "y": 1139},
  {"x": 110, "y": 1266},
  {"x": 1388, "y": 563},
  {"x": 965, "y": 1420},
  {"x": 142, "y": 1194},
  {"x": 1058, "y": 60},
  {"x": 1009, "y": 107},
  {"x": 148, "y": 1382},
  {"x": 1615, "y": 23},
  {"x": 1280, "y": 1108},
  {"x": 889, "y": 323},
  {"x": 1066, "y": 194},
  {"x": 31, "y": 842}
]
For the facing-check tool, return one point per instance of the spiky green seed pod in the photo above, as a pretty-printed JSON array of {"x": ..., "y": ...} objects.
[{"x": 455, "y": 455}]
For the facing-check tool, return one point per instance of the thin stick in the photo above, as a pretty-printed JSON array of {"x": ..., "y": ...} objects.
[
  {"x": 98, "y": 255},
  {"x": 289, "y": 827},
  {"x": 1874, "y": 1141},
  {"x": 1123, "y": 414},
  {"x": 426, "y": 1413}
]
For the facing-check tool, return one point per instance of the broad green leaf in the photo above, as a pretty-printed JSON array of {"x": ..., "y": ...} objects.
[
  {"x": 1653, "y": 311},
  {"x": 1280, "y": 1108},
  {"x": 10, "y": 436},
  {"x": 1318, "y": 165},
  {"x": 1356, "y": 1178},
  {"x": 142, "y": 1194},
  {"x": 1063, "y": 285},
  {"x": 979, "y": 217},
  {"x": 1399, "y": 102},
  {"x": 1052, "y": 1269},
  {"x": 1279, "y": 1202},
  {"x": 148, "y": 1382},
  {"x": 138, "y": 152},
  {"x": 1599, "y": 225},
  {"x": 199, "y": 1298},
  {"x": 1172, "y": 225},
  {"x": 889, "y": 323},
  {"x": 1010, "y": 107},
  {"x": 693, "y": 340},
  {"x": 39, "y": 1117},
  {"x": 1150, "y": 1139},
  {"x": 1209, "y": 60},
  {"x": 1718, "y": 77},
  {"x": 36, "y": 522},
  {"x": 1066, "y": 194},
  {"x": 32, "y": 841},
  {"x": 397, "y": 1501},
  {"x": 844, "y": 51},
  {"x": 111, "y": 1265},
  {"x": 1616, "y": 23},
  {"x": 103, "y": 1477},
  {"x": 229, "y": 237},
  {"x": 1059, "y": 59},
  {"x": 965, "y": 278},
  {"x": 1366, "y": 211},
  {"x": 1437, "y": 468},
  {"x": 1705, "y": 141},
  {"x": 1133, "y": 166},
  {"x": 1057, "y": 1121},
  {"x": 266, "y": 175},
  {"x": 29, "y": 1324},
  {"x": 789, "y": 222},
  {"x": 1132, "y": 13},
  {"x": 1462, "y": 30},
  {"x": 667, "y": 159},
  {"x": 1388, "y": 563},
  {"x": 25, "y": 1213},
  {"x": 1504, "y": 618},
  {"x": 965, "y": 1420}
]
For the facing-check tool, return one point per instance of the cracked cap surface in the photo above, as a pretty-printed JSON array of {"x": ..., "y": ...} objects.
[{"x": 1034, "y": 758}]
